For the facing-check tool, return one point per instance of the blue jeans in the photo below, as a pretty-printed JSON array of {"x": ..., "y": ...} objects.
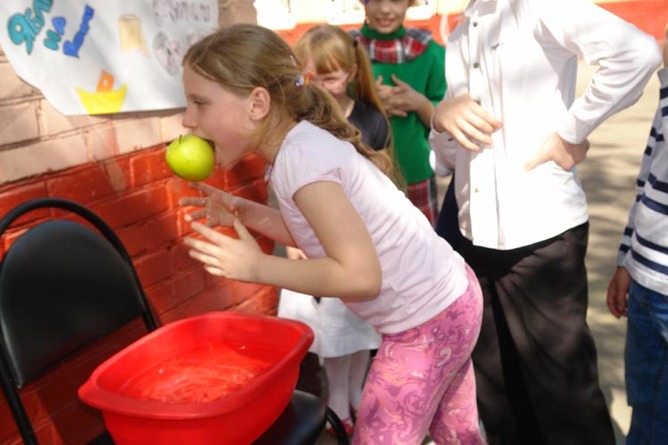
[{"x": 646, "y": 361}]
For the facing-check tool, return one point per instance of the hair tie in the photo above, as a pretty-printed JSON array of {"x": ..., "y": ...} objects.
[{"x": 304, "y": 79}]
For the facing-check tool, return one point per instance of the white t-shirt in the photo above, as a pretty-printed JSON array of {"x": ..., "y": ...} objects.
[{"x": 422, "y": 275}]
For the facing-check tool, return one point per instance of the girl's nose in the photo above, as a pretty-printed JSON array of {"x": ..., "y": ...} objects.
[{"x": 188, "y": 121}]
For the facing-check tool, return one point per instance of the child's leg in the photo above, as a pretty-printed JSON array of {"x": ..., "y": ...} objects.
[
  {"x": 412, "y": 373},
  {"x": 646, "y": 360},
  {"x": 338, "y": 372},
  {"x": 359, "y": 366},
  {"x": 456, "y": 421}
]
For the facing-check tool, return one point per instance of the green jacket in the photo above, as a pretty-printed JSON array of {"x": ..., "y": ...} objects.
[{"x": 426, "y": 75}]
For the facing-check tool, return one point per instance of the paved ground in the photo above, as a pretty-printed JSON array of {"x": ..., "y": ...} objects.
[{"x": 608, "y": 176}]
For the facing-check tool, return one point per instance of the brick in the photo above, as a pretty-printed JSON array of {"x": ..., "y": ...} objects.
[
  {"x": 13, "y": 87},
  {"x": 136, "y": 134},
  {"x": 103, "y": 142},
  {"x": 118, "y": 171},
  {"x": 133, "y": 238},
  {"x": 133, "y": 207},
  {"x": 10, "y": 237},
  {"x": 161, "y": 297},
  {"x": 42, "y": 157},
  {"x": 177, "y": 188},
  {"x": 218, "y": 179},
  {"x": 203, "y": 303},
  {"x": 148, "y": 235},
  {"x": 153, "y": 267},
  {"x": 8, "y": 429},
  {"x": 266, "y": 244},
  {"x": 161, "y": 230},
  {"x": 171, "y": 128},
  {"x": 248, "y": 169},
  {"x": 19, "y": 122},
  {"x": 11, "y": 197},
  {"x": 81, "y": 184},
  {"x": 243, "y": 290},
  {"x": 189, "y": 284},
  {"x": 149, "y": 166},
  {"x": 180, "y": 259},
  {"x": 263, "y": 302},
  {"x": 255, "y": 191},
  {"x": 52, "y": 122}
]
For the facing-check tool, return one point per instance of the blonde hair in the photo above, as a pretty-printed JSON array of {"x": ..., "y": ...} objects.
[
  {"x": 330, "y": 48},
  {"x": 242, "y": 57}
]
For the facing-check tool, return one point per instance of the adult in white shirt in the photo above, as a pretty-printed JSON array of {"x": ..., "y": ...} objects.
[{"x": 513, "y": 131}]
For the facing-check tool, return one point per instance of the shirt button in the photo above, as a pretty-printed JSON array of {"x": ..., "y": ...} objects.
[
  {"x": 476, "y": 65},
  {"x": 476, "y": 190},
  {"x": 475, "y": 24}
]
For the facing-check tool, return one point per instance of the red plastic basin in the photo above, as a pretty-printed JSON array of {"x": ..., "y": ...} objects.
[{"x": 219, "y": 378}]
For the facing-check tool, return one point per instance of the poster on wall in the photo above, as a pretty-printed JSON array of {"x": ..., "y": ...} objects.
[{"x": 102, "y": 56}]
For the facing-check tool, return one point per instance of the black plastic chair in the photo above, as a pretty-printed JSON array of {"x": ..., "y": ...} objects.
[
  {"x": 63, "y": 285},
  {"x": 302, "y": 422}
]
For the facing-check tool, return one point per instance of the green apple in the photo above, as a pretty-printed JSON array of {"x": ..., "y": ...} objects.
[{"x": 191, "y": 157}]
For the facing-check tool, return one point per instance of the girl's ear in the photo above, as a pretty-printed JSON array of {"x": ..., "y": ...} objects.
[{"x": 260, "y": 101}]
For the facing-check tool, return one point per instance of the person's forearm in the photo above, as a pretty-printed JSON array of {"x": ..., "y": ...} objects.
[
  {"x": 265, "y": 220},
  {"x": 425, "y": 111},
  {"x": 321, "y": 277},
  {"x": 627, "y": 59}
]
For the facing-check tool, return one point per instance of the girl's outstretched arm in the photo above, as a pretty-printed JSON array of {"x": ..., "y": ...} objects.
[
  {"x": 221, "y": 208},
  {"x": 350, "y": 270}
]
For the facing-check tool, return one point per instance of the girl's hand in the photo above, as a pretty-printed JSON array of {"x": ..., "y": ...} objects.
[
  {"x": 403, "y": 99},
  {"x": 466, "y": 121},
  {"x": 563, "y": 153},
  {"x": 219, "y": 207},
  {"x": 385, "y": 95},
  {"x": 618, "y": 293},
  {"x": 224, "y": 256}
]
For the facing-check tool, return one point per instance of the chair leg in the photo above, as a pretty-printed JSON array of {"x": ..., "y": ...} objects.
[{"x": 337, "y": 426}]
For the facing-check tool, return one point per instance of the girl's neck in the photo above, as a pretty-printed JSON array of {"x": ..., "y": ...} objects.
[{"x": 268, "y": 149}]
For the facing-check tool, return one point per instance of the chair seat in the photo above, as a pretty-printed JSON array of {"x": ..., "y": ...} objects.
[
  {"x": 300, "y": 423},
  {"x": 102, "y": 439}
]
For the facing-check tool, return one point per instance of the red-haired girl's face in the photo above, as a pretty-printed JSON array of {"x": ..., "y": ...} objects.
[{"x": 335, "y": 82}]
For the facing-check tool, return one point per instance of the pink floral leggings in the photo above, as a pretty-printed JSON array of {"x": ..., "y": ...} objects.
[{"x": 421, "y": 381}]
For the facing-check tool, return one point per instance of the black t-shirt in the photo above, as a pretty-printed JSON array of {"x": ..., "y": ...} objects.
[{"x": 371, "y": 123}]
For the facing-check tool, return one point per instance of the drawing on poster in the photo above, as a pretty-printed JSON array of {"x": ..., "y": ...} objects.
[{"x": 104, "y": 100}]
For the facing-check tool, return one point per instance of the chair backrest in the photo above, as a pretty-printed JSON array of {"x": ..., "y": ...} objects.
[{"x": 63, "y": 286}]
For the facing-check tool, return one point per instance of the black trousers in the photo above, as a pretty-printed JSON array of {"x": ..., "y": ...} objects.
[{"x": 535, "y": 360}]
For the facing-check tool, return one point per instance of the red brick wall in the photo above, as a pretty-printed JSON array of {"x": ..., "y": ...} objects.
[
  {"x": 115, "y": 166},
  {"x": 137, "y": 195}
]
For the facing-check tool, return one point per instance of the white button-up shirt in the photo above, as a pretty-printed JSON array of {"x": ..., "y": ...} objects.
[{"x": 518, "y": 58}]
